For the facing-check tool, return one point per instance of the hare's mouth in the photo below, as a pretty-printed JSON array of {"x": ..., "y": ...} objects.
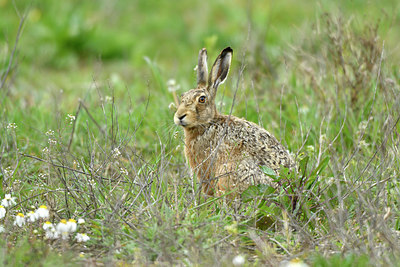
[{"x": 180, "y": 121}]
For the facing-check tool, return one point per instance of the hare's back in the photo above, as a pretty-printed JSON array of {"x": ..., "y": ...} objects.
[{"x": 259, "y": 144}]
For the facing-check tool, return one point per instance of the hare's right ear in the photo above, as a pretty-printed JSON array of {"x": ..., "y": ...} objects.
[
  {"x": 202, "y": 69},
  {"x": 219, "y": 70}
]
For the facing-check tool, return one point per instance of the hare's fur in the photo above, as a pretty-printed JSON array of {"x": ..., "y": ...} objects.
[{"x": 224, "y": 151}]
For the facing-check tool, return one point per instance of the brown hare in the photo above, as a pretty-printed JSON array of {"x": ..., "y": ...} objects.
[{"x": 225, "y": 152}]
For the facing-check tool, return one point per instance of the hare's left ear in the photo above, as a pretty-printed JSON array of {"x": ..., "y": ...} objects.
[
  {"x": 202, "y": 69},
  {"x": 219, "y": 70}
]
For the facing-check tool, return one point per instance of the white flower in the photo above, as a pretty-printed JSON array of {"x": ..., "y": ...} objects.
[
  {"x": 62, "y": 229},
  {"x": 172, "y": 86},
  {"x": 123, "y": 171},
  {"x": 62, "y": 226},
  {"x": 11, "y": 125},
  {"x": 238, "y": 260},
  {"x": 293, "y": 263},
  {"x": 2, "y": 229},
  {"x": 172, "y": 106},
  {"x": 116, "y": 153},
  {"x": 8, "y": 201},
  {"x": 82, "y": 237},
  {"x": 49, "y": 133},
  {"x": 32, "y": 216},
  {"x": 48, "y": 226},
  {"x": 81, "y": 221},
  {"x": 51, "y": 233},
  {"x": 43, "y": 212},
  {"x": 19, "y": 219},
  {"x": 71, "y": 118},
  {"x": 71, "y": 224},
  {"x": 2, "y": 212}
]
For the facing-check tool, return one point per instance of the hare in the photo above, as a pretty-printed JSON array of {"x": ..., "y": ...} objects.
[{"x": 224, "y": 151}]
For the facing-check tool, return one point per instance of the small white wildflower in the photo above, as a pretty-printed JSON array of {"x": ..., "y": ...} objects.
[
  {"x": 8, "y": 201},
  {"x": 82, "y": 237},
  {"x": 52, "y": 233},
  {"x": 63, "y": 229},
  {"x": 124, "y": 171},
  {"x": 108, "y": 98},
  {"x": 45, "y": 150},
  {"x": 221, "y": 104},
  {"x": 19, "y": 219},
  {"x": 43, "y": 212},
  {"x": 76, "y": 164},
  {"x": 49, "y": 133},
  {"x": 2, "y": 229},
  {"x": 172, "y": 106},
  {"x": 32, "y": 216},
  {"x": 71, "y": 118},
  {"x": 8, "y": 171},
  {"x": 2, "y": 212},
  {"x": 48, "y": 226},
  {"x": 238, "y": 260},
  {"x": 92, "y": 182},
  {"x": 62, "y": 226},
  {"x": 196, "y": 67},
  {"x": 304, "y": 110},
  {"x": 171, "y": 82},
  {"x": 81, "y": 221},
  {"x": 11, "y": 126},
  {"x": 172, "y": 85},
  {"x": 17, "y": 182},
  {"x": 293, "y": 263},
  {"x": 363, "y": 125},
  {"x": 71, "y": 224},
  {"x": 52, "y": 141},
  {"x": 363, "y": 144},
  {"x": 116, "y": 153}
]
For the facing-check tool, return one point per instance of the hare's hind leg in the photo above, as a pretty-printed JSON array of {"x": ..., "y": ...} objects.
[
  {"x": 241, "y": 176},
  {"x": 250, "y": 173},
  {"x": 225, "y": 178}
]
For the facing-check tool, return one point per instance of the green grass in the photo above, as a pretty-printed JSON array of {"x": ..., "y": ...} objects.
[{"x": 322, "y": 77}]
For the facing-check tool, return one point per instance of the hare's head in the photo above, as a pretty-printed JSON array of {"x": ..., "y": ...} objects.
[{"x": 197, "y": 105}]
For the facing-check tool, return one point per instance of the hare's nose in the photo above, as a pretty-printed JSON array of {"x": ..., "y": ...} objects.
[{"x": 181, "y": 117}]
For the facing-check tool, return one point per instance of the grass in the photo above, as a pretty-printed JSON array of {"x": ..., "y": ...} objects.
[{"x": 95, "y": 139}]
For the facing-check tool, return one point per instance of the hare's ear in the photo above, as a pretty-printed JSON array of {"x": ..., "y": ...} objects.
[
  {"x": 202, "y": 69},
  {"x": 220, "y": 69}
]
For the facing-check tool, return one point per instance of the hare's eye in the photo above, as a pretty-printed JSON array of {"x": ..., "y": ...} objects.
[{"x": 202, "y": 99}]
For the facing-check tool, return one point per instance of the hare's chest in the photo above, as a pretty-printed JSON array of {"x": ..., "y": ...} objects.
[{"x": 203, "y": 148}]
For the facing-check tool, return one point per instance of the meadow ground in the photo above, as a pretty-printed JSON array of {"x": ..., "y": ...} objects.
[{"x": 87, "y": 131}]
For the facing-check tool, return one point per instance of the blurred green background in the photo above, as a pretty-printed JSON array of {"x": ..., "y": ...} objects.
[{"x": 65, "y": 43}]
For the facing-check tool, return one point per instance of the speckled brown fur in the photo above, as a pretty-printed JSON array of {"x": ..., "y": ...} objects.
[{"x": 224, "y": 151}]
